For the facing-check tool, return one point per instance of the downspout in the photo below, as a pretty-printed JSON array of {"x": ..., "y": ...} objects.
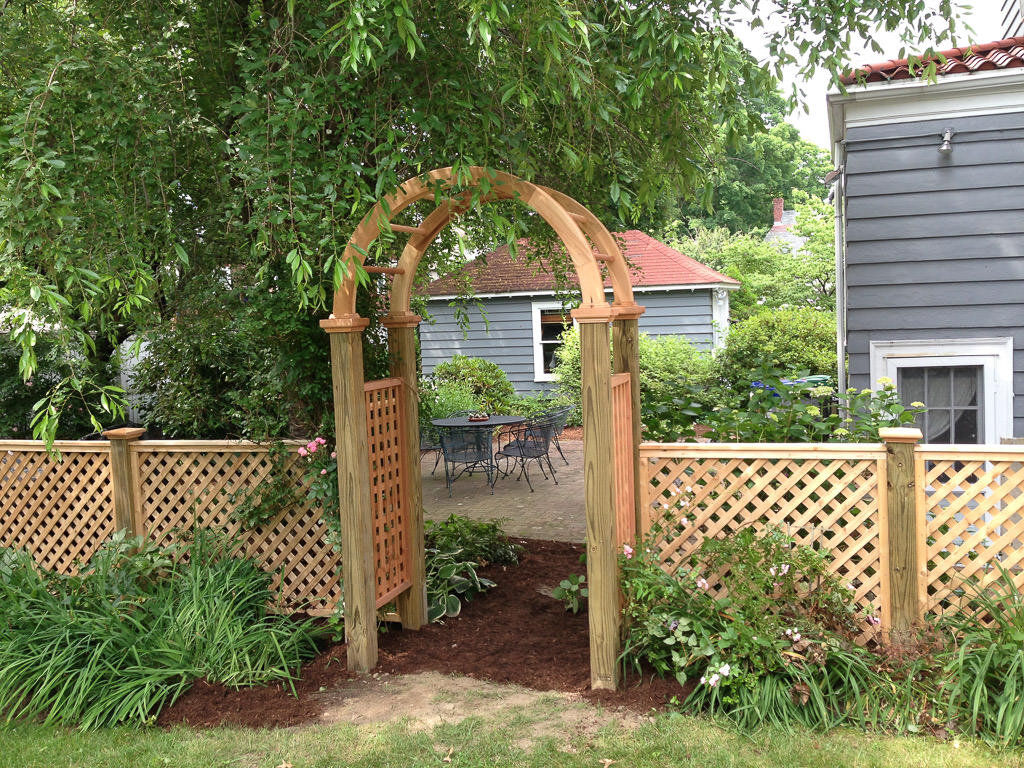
[{"x": 839, "y": 202}]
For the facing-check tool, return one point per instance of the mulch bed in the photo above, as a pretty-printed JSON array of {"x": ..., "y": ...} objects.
[{"x": 516, "y": 633}]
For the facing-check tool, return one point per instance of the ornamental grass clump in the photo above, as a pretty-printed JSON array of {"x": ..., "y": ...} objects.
[
  {"x": 758, "y": 623},
  {"x": 129, "y": 634},
  {"x": 983, "y": 670}
]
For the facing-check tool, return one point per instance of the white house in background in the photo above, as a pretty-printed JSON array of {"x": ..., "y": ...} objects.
[
  {"x": 930, "y": 237},
  {"x": 525, "y": 319}
]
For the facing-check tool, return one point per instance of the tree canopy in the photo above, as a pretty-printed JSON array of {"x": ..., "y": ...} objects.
[{"x": 155, "y": 150}]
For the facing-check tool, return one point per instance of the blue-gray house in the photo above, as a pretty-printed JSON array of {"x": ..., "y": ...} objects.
[
  {"x": 525, "y": 318},
  {"x": 930, "y": 237}
]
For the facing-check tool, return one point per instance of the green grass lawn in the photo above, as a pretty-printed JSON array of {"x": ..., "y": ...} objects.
[{"x": 668, "y": 741}]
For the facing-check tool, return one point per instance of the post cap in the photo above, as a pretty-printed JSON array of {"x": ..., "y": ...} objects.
[
  {"x": 124, "y": 433},
  {"x": 344, "y": 324},
  {"x": 900, "y": 434}
]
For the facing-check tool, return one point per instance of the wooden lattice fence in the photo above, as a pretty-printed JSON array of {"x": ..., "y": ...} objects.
[
  {"x": 964, "y": 521},
  {"x": 972, "y": 500},
  {"x": 822, "y": 496},
  {"x": 62, "y": 511}
]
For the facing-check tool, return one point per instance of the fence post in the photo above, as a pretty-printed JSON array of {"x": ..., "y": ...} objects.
[
  {"x": 904, "y": 568},
  {"x": 357, "y": 560},
  {"x": 603, "y": 605},
  {"x": 412, "y": 604},
  {"x": 122, "y": 475}
]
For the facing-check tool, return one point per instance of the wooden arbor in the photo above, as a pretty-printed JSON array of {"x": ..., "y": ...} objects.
[{"x": 574, "y": 224}]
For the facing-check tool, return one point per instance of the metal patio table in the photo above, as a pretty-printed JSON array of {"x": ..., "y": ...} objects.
[{"x": 469, "y": 441}]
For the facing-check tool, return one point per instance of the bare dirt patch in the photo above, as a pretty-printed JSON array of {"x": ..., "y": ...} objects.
[{"x": 516, "y": 634}]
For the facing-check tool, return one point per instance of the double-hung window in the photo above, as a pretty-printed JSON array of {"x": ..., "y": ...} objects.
[{"x": 550, "y": 321}]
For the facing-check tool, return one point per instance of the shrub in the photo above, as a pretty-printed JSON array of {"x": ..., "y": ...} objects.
[
  {"x": 794, "y": 341},
  {"x": 668, "y": 365},
  {"x": 439, "y": 399},
  {"x": 775, "y": 648},
  {"x": 482, "y": 542},
  {"x": 488, "y": 383}
]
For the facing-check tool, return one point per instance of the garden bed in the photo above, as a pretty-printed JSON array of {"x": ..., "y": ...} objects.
[{"x": 516, "y": 633}]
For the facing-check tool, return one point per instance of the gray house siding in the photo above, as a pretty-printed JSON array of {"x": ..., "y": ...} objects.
[
  {"x": 506, "y": 338},
  {"x": 935, "y": 243}
]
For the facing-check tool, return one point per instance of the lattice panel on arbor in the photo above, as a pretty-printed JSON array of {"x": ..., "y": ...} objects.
[
  {"x": 389, "y": 498},
  {"x": 199, "y": 483},
  {"x": 59, "y": 511},
  {"x": 824, "y": 497},
  {"x": 622, "y": 430},
  {"x": 972, "y": 501}
]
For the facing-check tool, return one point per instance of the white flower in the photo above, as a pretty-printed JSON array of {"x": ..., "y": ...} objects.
[{"x": 725, "y": 669}]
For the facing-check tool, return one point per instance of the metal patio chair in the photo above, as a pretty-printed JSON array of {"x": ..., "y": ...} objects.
[
  {"x": 468, "y": 447},
  {"x": 559, "y": 416},
  {"x": 529, "y": 441}
]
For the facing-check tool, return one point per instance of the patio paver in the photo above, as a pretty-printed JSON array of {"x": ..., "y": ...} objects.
[{"x": 552, "y": 512}]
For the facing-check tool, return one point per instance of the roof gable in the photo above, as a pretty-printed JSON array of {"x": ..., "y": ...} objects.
[
  {"x": 653, "y": 264},
  {"x": 1001, "y": 54}
]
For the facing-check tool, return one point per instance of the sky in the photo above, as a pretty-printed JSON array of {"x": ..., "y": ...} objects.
[{"x": 985, "y": 18}]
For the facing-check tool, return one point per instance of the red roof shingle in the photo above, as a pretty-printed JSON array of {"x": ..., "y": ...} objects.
[
  {"x": 1001, "y": 54},
  {"x": 654, "y": 264}
]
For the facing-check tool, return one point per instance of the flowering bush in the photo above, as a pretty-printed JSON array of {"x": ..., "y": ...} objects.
[{"x": 759, "y": 622}]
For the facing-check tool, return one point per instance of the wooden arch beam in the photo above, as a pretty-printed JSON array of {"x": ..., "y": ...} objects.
[{"x": 572, "y": 222}]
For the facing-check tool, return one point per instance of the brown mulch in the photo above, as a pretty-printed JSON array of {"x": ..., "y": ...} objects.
[{"x": 516, "y": 633}]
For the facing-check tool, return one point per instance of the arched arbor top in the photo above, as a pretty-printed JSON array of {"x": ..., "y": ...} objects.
[{"x": 586, "y": 239}]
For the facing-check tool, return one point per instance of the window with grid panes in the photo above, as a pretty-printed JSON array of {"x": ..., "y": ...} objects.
[{"x": 952, "y": 395}]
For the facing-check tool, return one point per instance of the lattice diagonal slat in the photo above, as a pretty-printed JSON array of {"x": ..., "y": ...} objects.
[
  {"x": 60, "y": 512},
  {"x": 974, "y": 513},
  {"x": 830, "y": 503}
]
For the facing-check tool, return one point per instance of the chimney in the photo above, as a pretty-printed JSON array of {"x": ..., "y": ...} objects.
[{"x": 777, "y": 211}]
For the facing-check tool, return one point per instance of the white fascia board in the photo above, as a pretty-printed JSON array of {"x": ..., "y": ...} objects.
[
  {"x": 641, "y": 289},
  {"x": 902, "y": 101}
]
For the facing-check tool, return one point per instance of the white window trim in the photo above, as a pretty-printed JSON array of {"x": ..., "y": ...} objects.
[
  {"x": 994, "y": 355},
  {"x": 536, "y": 308}
]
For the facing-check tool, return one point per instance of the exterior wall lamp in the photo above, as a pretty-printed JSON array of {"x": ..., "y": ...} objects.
[{"x": 947, "y": 142}]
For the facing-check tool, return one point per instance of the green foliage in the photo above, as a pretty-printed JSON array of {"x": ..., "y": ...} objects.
[
  {"x": 144, "y": 145},
  {"x": 451, "y": 580},
  {"x": 773, "y": 275},
  {"x": 439, "y": 399},
  {"x": 238, "y": 359},
  {"x": 780, "y": 410},
  {"x": 669, "y": 365},
  {"x": 571, "y": 592},
  {"x": 482, "y": 542},
  {"x": 130, "y": 633},
  {"x": 742, "y": 183},
  {"x": 487, "y": 381},
  {"x": 18, "y": 396},
  {"x": 983, "y": 671},
  {"x": 775, "y": 647},
  {"x": 796, "y": 341},
  {"x": 277, "y": 493}
]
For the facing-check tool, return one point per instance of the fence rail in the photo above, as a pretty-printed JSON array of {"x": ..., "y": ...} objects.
[{"x": 910, "y": 540}]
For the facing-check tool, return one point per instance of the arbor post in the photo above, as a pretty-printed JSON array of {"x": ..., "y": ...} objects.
[
  {"x": 599, "y": 492},
  {"x": 412, "y": 604},
  {"x": 357, "y": 551},
  {"x": 904, "y": 529},
  {"x": 626, "y": 359},
  {"x": 127, "y": 505}
]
